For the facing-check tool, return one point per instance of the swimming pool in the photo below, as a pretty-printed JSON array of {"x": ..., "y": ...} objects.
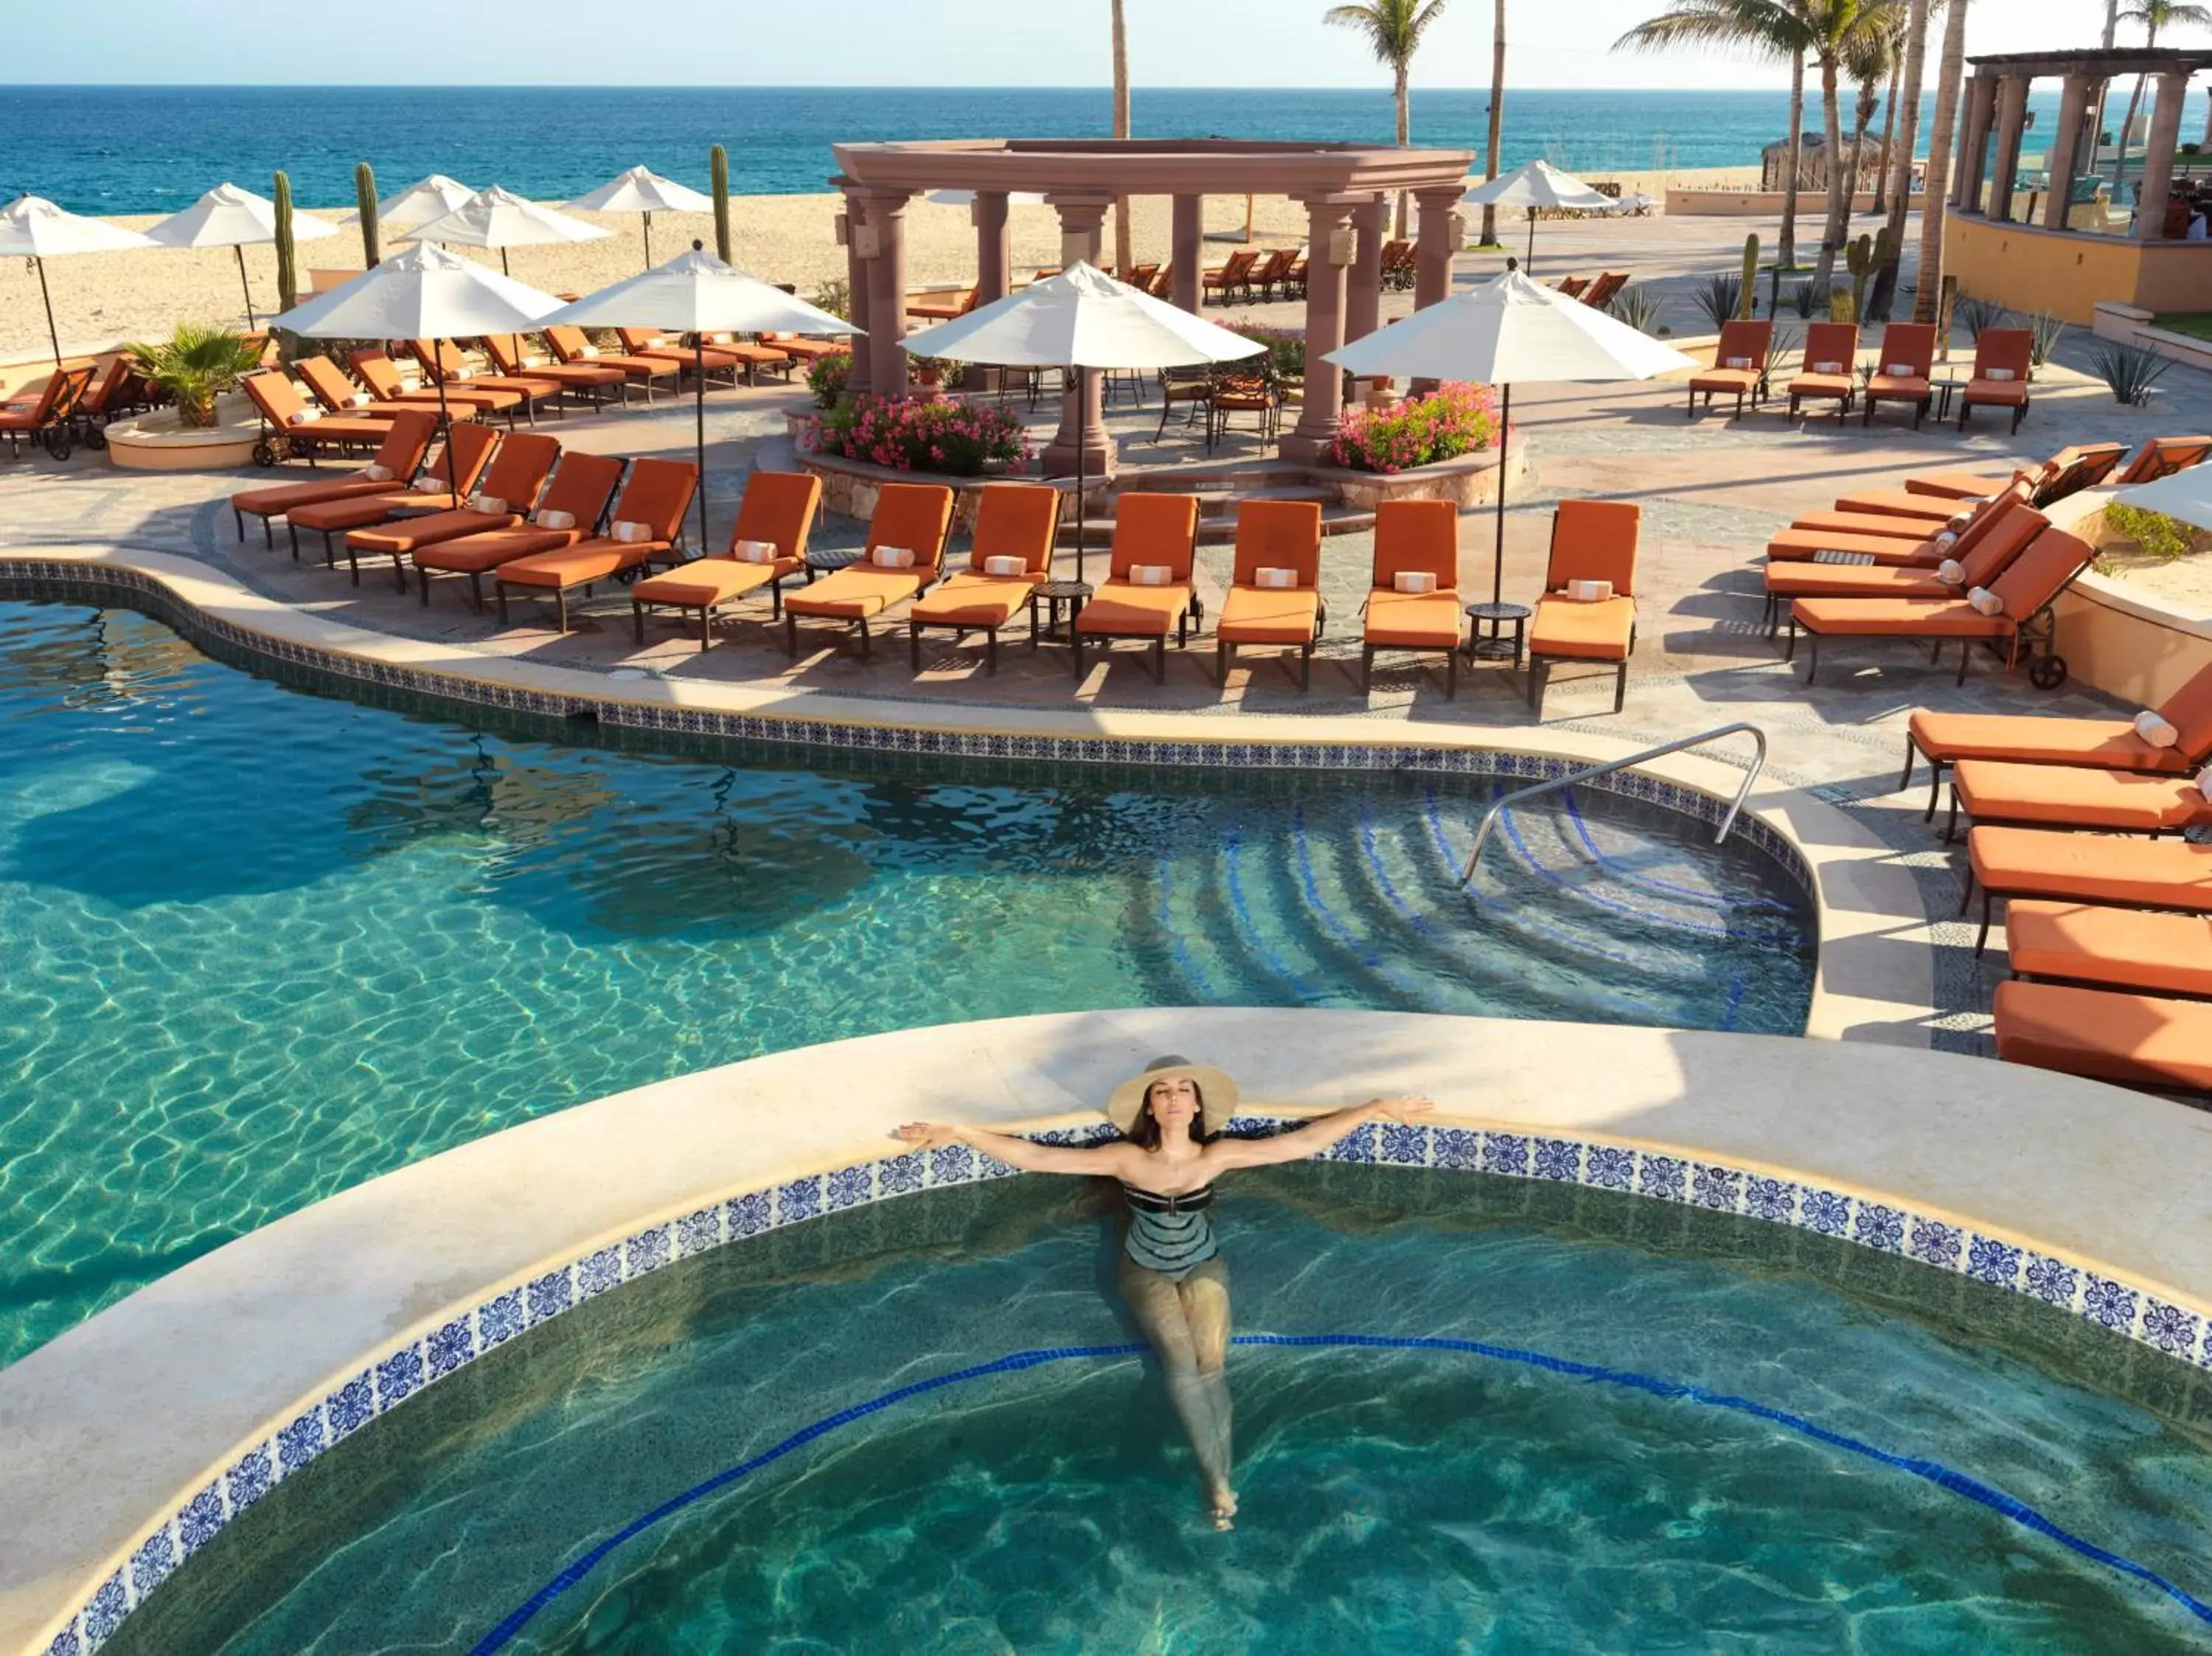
[
  {"x": 1588, "y": 1421},
  {"x": 263, "y": 944}
]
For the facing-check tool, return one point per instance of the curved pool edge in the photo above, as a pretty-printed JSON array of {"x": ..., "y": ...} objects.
[
  {"x": 133, "y": 1436},
  {"x": 1875, "y": 978}
]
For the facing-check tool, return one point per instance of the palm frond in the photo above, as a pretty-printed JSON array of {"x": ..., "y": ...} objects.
[
  {"x": 1758, "y": 28},
  {"x": 1393, "y": 27}
]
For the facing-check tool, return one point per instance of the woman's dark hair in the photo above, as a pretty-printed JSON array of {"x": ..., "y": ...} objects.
[{"x": 1144, "y": 1131}]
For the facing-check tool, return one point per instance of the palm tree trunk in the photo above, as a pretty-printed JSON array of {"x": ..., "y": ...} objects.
[
  {"x": 1124, "y": 253},
  {"x": 1786, "y": 254},
  {"x": 1497, "y": 118},
  {"x": 1888, "y": 141},
  {"x": 1941, "y": 138},
  {"x": 1838, "y": 223},
  {"x": 1900, "y": 160},
  {"x": 2120, "y": 149},
  {"x": 1405, "y": 136}
]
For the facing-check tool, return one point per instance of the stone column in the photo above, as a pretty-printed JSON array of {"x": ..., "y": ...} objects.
[
  {"x": 2065, "y": 158},
  {"x": 1363, "y": 312},
  {"x": 885, "y": 249},
  {"x": 994, "y": 251},
  {"x": 1082, "y": 236},
  {"x": 1967, "y": 185},
  {"x": 1188, "y": 252},
  {"x": 856, "y": 280},
  {"x": 2158, "y": 157},
  {"x": 1432, "y": 267},
  {"x": 1326, "y": 217},
  {"x": 2012, "y": 121}
]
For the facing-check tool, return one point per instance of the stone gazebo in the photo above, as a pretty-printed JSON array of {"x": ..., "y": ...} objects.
[{"x": 1345, "y": 188}]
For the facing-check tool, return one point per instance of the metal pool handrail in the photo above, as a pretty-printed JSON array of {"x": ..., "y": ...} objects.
[{"x": 1750, "y": 780}]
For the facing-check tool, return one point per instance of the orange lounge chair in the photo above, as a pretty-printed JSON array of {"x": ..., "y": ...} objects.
[
  {"x": 1944, "y": 739},
  {"x": 2162, "y": 456},
  {"x": 910, "y": 518},
  {"x": 1157, "y": 534},
  {"x": 1592, "y": 541},
  {"x": 397, "y": 460},
  {"x": 46, "y": 416},
  {"x": 1274, "y": 588},
  {"x": 942, "y": 307},
  {"x": 293, "y": 426},
  {"x": 1829, "y": 372},
  {"x": 1602, "y": 292},
  {"x": 1572, "y": 287},
  {"x": 2071, "y": 471},
  {"x": 808, "y": 351},
  {"x": 2060, "y": 866},
  {"x": 775, "y": 519},
  {"x": 653, "y": 346},
  {"x": 1226, "y": 279},
  {"x": 1903, "y": 370},
  {"x": 2004, "y": 358},
  {"x": 327, "y": 383},
  {"x": 441, "y": 360},
  {"x": 2027, "y": 590},
  {"x": 1016, "y": 526},
  {"x": 2138, "y": 1041},
  {"x": 2117, "y": 948},
  {"x": 592, "y": 381},
  {"x": 1998, "y": 790},
  {"x": 381, "y": 375},
  {"x": 573, "y": 347},
  {"x": 1984, "y": 550},
  {"x": 446, "y": 479},
  {"x": 569, "y": 513},
  {"x": 753, "y": 356},
  {"x": 509, "y": 488},
  {"x": 1936, "y": 541},
  {"x": 1415, "y": 538},
  {"x": 653, "y": 501},
  {"x": 1740, "y": 365}
]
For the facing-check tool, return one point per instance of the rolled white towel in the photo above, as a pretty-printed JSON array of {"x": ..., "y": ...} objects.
[
  {"x": 1277, "y": 578},
  {"x": 1947, "y": 539},
  {"x": 1006, "y": 564},
  {"x": 1737, "y": 363},
  {"x": 431, "y": 486},
  {"x": 1589, "y": 591},
  {"x": 2156, "y": 728},
  {"x": 549, "y": 519},
  {"x": 1986, "y": 601},
  {"x": 1827, "y": 368},
  {"x": 303, "y": 417},
  {"x": 1151, "y": 574},
  {"x": 492, "y": 504},
  {"x": 1416, "y": 581},
  {"x": 1899, "y": 371},
  {"x": 1957, "y": 521},
  {"x": 892, "y": 557},
  {"x": 375, "y": 473},
  {"x": 1951, "y": 572},
  {"x": 630, "y": 532},
  {"x": 588, "y": 351},
  {"x": 361, "y": 399},
  {"x": 2000, "y": 374},
  {"x": 755, "y": 551}
]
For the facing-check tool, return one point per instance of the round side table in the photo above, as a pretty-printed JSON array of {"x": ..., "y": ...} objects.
[
  {"x": 1054, "y": 594},
  {"x": 829, "y": 560},
  {"x": 1486, "y": 639}
]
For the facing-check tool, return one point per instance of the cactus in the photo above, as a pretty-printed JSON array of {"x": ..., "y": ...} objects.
[
  {"x": 364, "y": 195},
  {"x": 1866, "y": 257},
  {"x": 1749, "y": 304},
  {"x": 287, "y": 255},
  {"x": 1842, "y": 305},
  {"x": 718, "y": 165}
]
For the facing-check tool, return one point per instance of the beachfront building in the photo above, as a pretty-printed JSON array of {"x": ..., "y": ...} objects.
[{"x": 2042, "y": 221}]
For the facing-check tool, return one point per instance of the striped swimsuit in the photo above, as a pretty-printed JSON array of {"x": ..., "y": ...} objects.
[{"x": 1170, "y": 1234}]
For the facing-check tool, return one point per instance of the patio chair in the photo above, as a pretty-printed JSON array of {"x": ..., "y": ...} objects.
[
  {"x": 381, "y": 375},
  {"x": 596, "y": 382},
  {"x": 1592, "y": 541},
  {"x": 1236, "y": 393},
  {"x": 452, "y": 474},
  {"x": 104, "y": 397},
  {"x": 1274, "y": 587},
  {"x": 2072, "y": 468},
  {"x": 45, "y": 418},
  {"x": 651, "y": 345},
  {"x": 1269, "y": 272},
  {"x": 572, "y": 348},
  {"x": 768, "y": 546},
  {"x": 2021, "y": 622},
  {"x": 510, "y": 487},
  {"x": 568, "y": 512},
  {"x": 1903, "y": 370},
  {"x": 2092, "y": 944},
  {"x": 1148, "y": 588},
  {"x": 1228, "y": 279},
  {"x": 1982, "y": 553},
  {"x": 1294, "y": 279},
  {"x": 1398, "y": 264},
  {"x": 1740, "y": 365},
  {"x": 1191, "y": 388},
  {"x": 398, "y": 458},
  {"x": 904, "y": 556},
  {"x": 2004, "y": 362},
  {"x": 2152, "y": 1041},
  {"x": 442, "y": 361},
  {"x": 1829, "y": 370},
  {"x": 1607, "y": 289},
  {"x": 1916, "y": 544},
  {"x": 647, "y": 522},
  {"x": 292, "y": 426},
  {"x": 1009, "y": 557},
  {"x": 337, "y": 395},
  {"x": 1413, "y": 600}
]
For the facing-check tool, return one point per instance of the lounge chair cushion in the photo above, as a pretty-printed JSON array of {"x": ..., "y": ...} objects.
[
  {"x": 1959, "y": 485},
  {"x": 348, "y": 512},
  {"x": 1885, "y": 525},
  {"x": 1899, "y": 387},
  {"x": 1800, "y": 544},
  {"x": 1412, "y": 621},
  {"x": 274, "y": 502},
  {"x": 1995, "y": 790},
  {"x": 2128, "y": 948},
  {"x": 1591, "y": 632},
  {"x": 1727, "y": 380},
  {"x": 1267, "y": 614},
  {"x": 2000, "y": 392},
  {"x": 578, "y": 565},
  {"x": 2143, "y": 1040},
  {"x": 1852, "y": 580},
  {"x": 1905, "y": 618},
  {"x": 1823, "y": 384},
  {"x": 1901, "y": 503},
  {"x": 2027, "y": 740},
  {"x": 856, "y": 593},
  {"x": 2092, "y": 867},
  {"x": 474, "y": 554},
  {"x": 705, "y": 582},
  {"x": 416, "y": 532},
  {"x": 1122, "y": 608},
  {"x": 974, "y": 600}
]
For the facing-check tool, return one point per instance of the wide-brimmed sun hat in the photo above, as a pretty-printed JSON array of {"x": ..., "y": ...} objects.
[{"x": 1218, "y": 1093}]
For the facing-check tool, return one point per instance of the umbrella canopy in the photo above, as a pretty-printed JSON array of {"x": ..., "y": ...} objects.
[
  {"x": 1081, "y": 319},
  {"x": 2186, "y": 495},
  {"x": 967, "y": 198},
  {"x": 696, "y": 293},
  {"x": 644, "y": 193},
  {"x": 1537, "y": 183},
  {"x": 32, "y": 227},
  {"x": 1505, "y": 329},
  {"x": 432, "y": 198},
  {"x": 227, "y": 217},
  {"x": 499, "y": 218}
]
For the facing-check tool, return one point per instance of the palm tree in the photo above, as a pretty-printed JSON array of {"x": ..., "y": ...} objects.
[
  {"x": 1123, "y": 251},
  {"x": 1775, "y": 30},
  {"x": 2154, "y": 15},
  {"x": 1929, "y": 300},
  {"x": 1900, "y": 155},
  {"x": 1393, "y": 30},
  {"x": 1873, "y": 61},
  {"x": 1842, "y": 31}
]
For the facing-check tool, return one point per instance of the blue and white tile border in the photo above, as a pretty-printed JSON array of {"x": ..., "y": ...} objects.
[{"x": 445, "y": 1344}]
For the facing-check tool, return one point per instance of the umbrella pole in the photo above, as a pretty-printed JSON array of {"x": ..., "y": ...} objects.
[
  {"x": 1531, "y": 212},
  {"x": 504, "y": 271},
  {"x": 452, "y": 463},
  {"x": 699, "y": 369},
  {"x": 647, "y": 217},
  {"x": 51, "y": 332},
  {"x": 1504, "y": 441},
  {"x": 239, "y": 249},
  {"x": 1082, "y": 442}
]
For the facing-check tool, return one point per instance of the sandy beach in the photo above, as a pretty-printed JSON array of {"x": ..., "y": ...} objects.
[{"x": 104, "y": 299}]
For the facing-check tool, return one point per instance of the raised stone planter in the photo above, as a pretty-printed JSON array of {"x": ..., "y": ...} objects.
[
  {"x": 850, "y": 487},
  {"x": 1471, "y": 480},
  {"x": 155, "y": 442}
]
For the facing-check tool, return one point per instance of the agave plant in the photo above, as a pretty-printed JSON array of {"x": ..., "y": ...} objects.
[
  {"x": 195, "y": 365},
  {"x": 2128, "y": 370},
  {"x": 1638, "y": 306},
  {"x": 1719, "y": 296},
  {"x": 1977, "y": 315},
  {"x": 2044, "y": 330},
  {"x": 1802, "y": 300}
]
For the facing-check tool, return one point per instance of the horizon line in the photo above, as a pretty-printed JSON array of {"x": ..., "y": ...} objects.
[{"x": 825, "y": 86}]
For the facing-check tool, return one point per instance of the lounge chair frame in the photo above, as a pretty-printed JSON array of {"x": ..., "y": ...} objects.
[{"x": 1193, "y": 612}]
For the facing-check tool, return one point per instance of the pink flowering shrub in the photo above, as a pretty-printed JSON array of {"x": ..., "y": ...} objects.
[
  {"x": 1457, "y": 419},
  {"x": 952, "y": 438}
]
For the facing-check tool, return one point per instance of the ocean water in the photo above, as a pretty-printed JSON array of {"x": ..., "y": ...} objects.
[{"x": 86, "y": 148}]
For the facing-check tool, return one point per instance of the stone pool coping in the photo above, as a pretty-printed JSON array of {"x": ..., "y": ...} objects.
[
  {"x": 1875, "y": 974},
  {"x": 136, "y": 1435}
]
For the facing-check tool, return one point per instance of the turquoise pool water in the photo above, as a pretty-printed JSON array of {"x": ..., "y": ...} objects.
[
  {"x": 260, "y": 944},
  {"x": 1409, "y": 1499}
]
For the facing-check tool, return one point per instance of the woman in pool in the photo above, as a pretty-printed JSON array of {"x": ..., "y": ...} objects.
[{"x": 1170, "y": 1269}]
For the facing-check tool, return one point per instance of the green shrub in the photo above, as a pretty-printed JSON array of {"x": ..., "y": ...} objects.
[
  {"x": 826, "y": 378},
  {"x": 2157, "y": 536}
]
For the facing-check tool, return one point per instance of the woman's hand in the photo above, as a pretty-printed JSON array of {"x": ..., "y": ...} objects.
[
  {"x": 1400, "y": 1109},
  {"x": 928, "y": 1135}
]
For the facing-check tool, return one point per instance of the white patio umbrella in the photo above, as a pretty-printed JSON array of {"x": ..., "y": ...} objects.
[
  {"x": 696, "y": 293},
  {"x": 424, "y": 293},
  {"x": 1505, "y": 329},
  {"x": 967, "y": 198},
  {"x": 32, "y": 227},
  {"x": 227, "y": 217},
  {"x": 1084, "y": 319},
  {"x": 1537, "y": 183},
  {"x": 499, "y": 218},
  {"x": 645, "y": 194},
  {"x": 430, "y": 198}
]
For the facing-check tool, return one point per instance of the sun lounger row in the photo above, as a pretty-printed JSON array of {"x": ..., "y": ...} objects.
[
  {"x": 1597, "y": 292},
  {"x": 1903, "y": 371}
]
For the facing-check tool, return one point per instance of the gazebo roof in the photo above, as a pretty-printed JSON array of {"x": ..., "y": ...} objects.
[
  {"x": 2104, "y": 65},
  {"x": 1151, "y": 166}
]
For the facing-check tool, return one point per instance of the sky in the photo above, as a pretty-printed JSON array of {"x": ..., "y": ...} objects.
[{"x": 904, "y": 43}]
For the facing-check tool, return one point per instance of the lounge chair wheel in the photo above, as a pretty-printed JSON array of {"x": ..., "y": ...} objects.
[
  {"x": 95, "y": 438},
  {"x": 57, "y": 443},
  {"x": 2047, "y": 672},
  {"x": 263, "y": 456}
]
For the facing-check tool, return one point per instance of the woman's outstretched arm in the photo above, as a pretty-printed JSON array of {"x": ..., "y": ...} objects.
[
  {"x": 1106, "y": 1161},
  {"x": 1314, "y": 1137}
]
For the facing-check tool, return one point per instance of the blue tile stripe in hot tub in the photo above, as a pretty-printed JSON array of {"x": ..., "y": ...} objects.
[{"x": 2117, "y": 1306}]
